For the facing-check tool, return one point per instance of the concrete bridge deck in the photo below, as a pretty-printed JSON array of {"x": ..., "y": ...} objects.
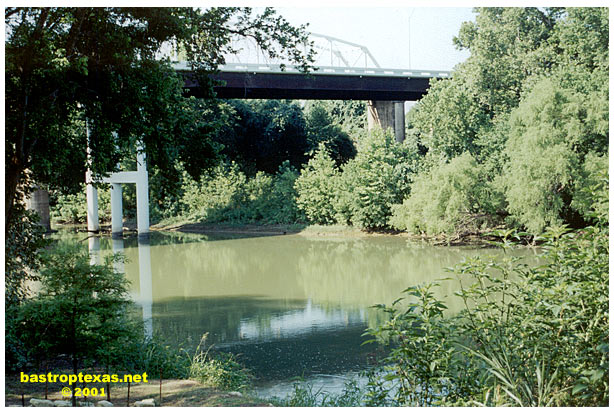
[{"x": 260, "y": 81}]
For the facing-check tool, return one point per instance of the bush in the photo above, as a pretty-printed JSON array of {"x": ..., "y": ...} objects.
[
  {"x": 317, "y": 188},
  {"x": 451, "y": 198},
  {"x": 72, "y": 208},
  {"x": 378, "y": 177},
  {"x": 220, "y": 371},
  {"x": 527, "y": 336},
  {"x": 228, "y": 195},
  {"x": 551, "y": 136}
]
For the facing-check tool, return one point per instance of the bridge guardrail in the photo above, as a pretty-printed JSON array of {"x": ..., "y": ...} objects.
[{"x": 325, "y": 70}]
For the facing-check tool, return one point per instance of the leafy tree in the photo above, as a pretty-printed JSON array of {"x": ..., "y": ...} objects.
[
  {"x": 321, "y": 130},
  {"x": 350, "y": 115},
  {"x": 378, "y": 177},
  {"x": 505, "y": 47},
  {"x": 449, "y": 119},
  {"x": 66, "y": 65},
  {"x": 452, "y": 198},
  {"x": 317, "y": 188},
  {"x": 549, "y": 134},
  {"x": 262, "y": 134},
  {"x": 81, "y": 308}
]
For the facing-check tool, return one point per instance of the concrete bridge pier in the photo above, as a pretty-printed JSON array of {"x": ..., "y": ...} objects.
[
  {"x": 116, "y": 210},
  {"x": 38, "y": 201},
  {"x": 387, "y": 114},
  {"x": 139, "y": 177}
]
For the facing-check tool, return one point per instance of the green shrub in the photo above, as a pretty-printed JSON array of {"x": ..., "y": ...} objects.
[
  {"x": 378, "y": 177},
  {"x": 219, "y": 370},
  {"x": 218, "y": 195},
  {"x": 72, "y": 208},
  {"x": 551, "y": 134},
  {"x": 304, "y": 395},
  {"x": 228, "y": 195},
  {"x": 451, "y": 198},
  {"x": 527, "y": 336},
  {"x": 591, "y": 188},
  {"x": 317, "y": 188}
]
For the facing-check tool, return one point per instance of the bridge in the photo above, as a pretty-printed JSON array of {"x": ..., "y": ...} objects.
[
  {"x": 385, "y": 90},
  {"x": 268, "y": 81}
]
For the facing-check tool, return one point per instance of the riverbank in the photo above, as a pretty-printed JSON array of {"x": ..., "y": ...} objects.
[
  {"x": 473, "y": 239},
  {"x": 175, "y": 393}
]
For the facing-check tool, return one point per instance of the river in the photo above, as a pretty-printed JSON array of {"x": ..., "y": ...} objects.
[{"x": 288, "y": 305}]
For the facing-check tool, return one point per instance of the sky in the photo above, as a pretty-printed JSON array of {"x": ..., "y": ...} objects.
[{"x": 385, "y": 31}]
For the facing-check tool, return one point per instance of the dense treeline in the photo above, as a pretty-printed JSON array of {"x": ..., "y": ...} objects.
[{"x": 514, "y": 138}]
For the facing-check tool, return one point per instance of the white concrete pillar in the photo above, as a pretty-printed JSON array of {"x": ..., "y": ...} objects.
[
  {"x": 142, "y": 193},
  {"x": 93, "y": 224},
  {"x": 116, "y": 209},
  {"x": 146, "y": 287}
]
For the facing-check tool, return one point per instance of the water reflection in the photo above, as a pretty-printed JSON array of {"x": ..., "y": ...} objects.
[
  {"x": 288, "y": 305},
  {"x": 144, "y": 298}
]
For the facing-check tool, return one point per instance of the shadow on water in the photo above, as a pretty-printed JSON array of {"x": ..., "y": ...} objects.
[{"x": 276, "y": 339}]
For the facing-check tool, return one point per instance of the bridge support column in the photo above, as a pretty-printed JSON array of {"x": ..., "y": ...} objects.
[
  {"x": 116, "y": 210},
  {"x": 142, "y": 193},
  {"x": 38, "y": 201},
  {"x": 141, "y": 178},
  {"x": 387, "y": 114},
  {"x": 93, "y": 223}
]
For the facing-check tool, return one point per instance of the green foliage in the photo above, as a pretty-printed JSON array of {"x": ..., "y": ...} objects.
[
  {"x": 591, "y": 197},
  {"x": 378, "y": 177},
  {"x": 549, "y": 134},
  {"x": 530, "y": 104},
  {"x": 528, "y": 336},
  {"x": 80, "y": 311},
  {"x": 317, "y": 188},
  {"x": 451, "y": 198},
  {"x": 72, "y": 208},
  {"x": 22, "y": 251},
  {"x": 449, "y": 118},
  {"x": 153, "y": 356},
  {"x": 23, "y": 244},
  {"x": 227, "y": 195},
  {"x": 221, "y": 371},
  {"x": 422, "y": 350},
  {"x": 350, "y": 115},
  {"x": 304, "y": 395},
  {"x": 261, "y": 134},
  {"x": 505, "y": 45},
  {"x": 321, "y": 130}
]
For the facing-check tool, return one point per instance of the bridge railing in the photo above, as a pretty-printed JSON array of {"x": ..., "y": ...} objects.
[{"x": 323, "y": 70}]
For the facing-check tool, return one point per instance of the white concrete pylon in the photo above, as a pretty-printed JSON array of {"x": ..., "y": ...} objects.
[
  {"x": 93, "y": 223},
  {"x": 116, "y": 209},
  {"x": 142, "y": 193},
  {"x": 139, "y": 177}
]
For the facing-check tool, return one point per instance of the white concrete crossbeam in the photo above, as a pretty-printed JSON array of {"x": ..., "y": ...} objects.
[{"x": 140, "y": 178}]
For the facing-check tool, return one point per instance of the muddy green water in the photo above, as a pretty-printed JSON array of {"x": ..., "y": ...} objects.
[{"x": 288, "y": 305}]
